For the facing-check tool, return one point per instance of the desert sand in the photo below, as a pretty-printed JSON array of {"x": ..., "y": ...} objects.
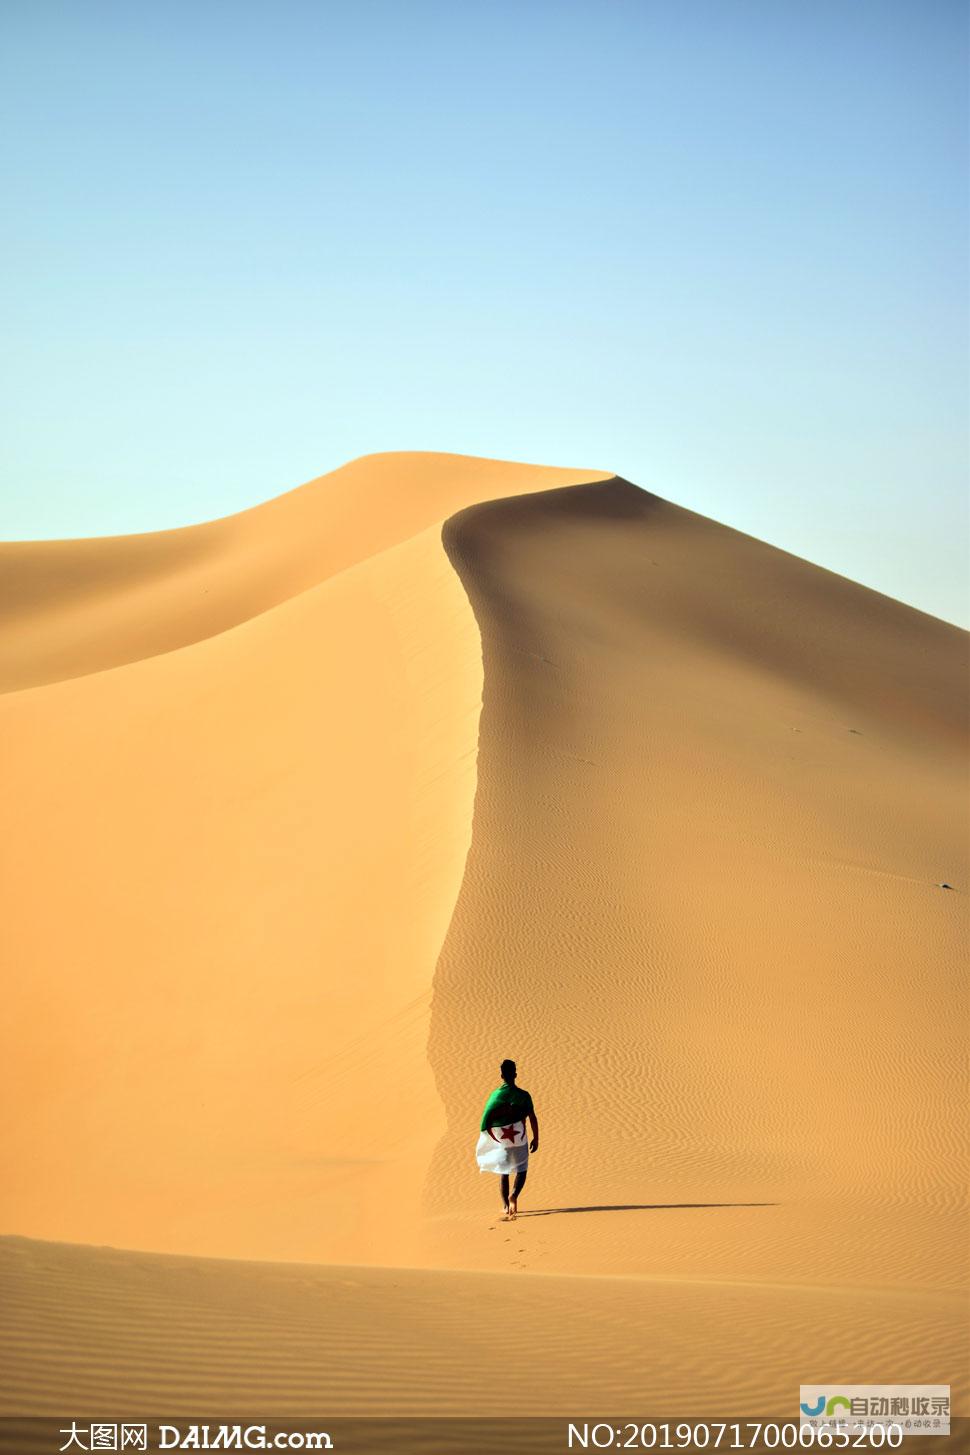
[{"x": 315, "y": 813}]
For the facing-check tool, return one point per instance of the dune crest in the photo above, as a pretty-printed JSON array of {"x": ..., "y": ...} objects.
[{"x": 68, "y": 608}]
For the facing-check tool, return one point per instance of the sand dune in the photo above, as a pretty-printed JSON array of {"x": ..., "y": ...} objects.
[
  {"x": 317, "y": 812},
  {"x": 230, "y": 868}
]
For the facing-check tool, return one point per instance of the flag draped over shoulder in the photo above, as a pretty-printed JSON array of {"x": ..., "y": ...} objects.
[{"x": 503, "y": 1143}]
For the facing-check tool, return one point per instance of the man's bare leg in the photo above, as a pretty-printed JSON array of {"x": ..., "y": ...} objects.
[
  {"x": 519, "y": 1184},
  {"x": 505, "y": 1194}
]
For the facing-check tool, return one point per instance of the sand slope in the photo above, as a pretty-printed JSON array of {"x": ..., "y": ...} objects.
[{"x": 317, "y": 812}]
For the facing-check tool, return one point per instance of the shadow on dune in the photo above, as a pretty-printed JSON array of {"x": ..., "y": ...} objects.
[
  {"x": 666, "y": 776},
  {"x": 548, "y": 1212}
]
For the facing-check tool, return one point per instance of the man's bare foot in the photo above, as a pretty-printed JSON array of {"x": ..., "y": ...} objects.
[
  {"x": 513, "y": 1209},
  {"x": 505, "y": 1216}
]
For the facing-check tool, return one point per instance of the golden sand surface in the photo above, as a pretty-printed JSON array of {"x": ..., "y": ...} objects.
[{"x": 314, "y": 814}]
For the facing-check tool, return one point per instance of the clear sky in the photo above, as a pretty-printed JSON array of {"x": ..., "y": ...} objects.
[{"x": 716, "y": 246}]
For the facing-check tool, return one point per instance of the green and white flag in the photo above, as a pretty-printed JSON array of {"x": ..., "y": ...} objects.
[{"x": 503, "y": 1143}]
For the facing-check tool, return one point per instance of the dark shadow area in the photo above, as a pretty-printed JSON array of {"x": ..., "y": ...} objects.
[{"x": 548, "y": 1212}]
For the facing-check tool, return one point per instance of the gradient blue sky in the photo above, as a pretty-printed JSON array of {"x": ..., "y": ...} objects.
[{"x": 719, "y": 248}]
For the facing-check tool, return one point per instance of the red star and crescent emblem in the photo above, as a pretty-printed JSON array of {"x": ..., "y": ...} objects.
[{"x": 509, "y": 1133}]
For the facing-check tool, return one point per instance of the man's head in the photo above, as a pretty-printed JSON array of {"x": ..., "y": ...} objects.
[{"x": 507, "y": 1070}]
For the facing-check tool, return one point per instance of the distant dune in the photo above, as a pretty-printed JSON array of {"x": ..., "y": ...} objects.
[{"x": 315, "y": 813}]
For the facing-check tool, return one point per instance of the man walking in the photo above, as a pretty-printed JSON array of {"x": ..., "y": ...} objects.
[{"x": 503, "y": 1147}]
